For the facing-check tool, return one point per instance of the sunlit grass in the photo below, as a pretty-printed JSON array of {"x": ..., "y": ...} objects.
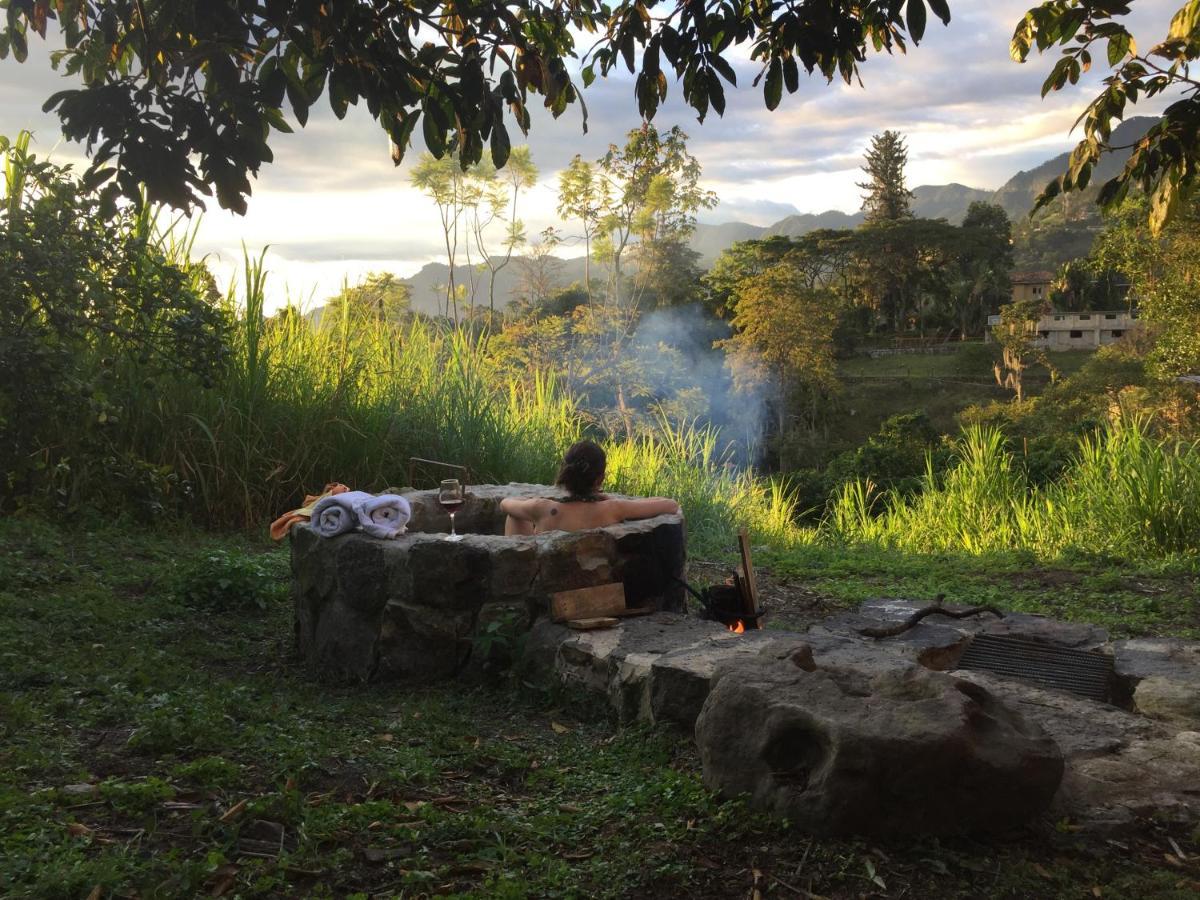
[{"x": 1127, "y": 495}]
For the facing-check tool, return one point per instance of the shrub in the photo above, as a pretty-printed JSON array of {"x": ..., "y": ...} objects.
[
  {"x": 229, "y": 581},
  {"x": 94, "y": 315}
]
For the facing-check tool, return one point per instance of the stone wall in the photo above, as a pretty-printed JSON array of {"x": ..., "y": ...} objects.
[{"x": 409, "y": 607}]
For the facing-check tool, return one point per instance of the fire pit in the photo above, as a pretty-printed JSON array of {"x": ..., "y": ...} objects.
[{"x": 409, "y": 607}]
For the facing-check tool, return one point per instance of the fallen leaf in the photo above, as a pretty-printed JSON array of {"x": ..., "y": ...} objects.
[
  {"x": 570, "y": 808},
  {"x": 559, "y": 729},
  {"x": 578, "y": 854},
  {"x": 1173, "y": 860},
  {"x": 96, "y": 893},
  {"x": 1043, "y": 871},
  {"x": 290, "y": 785},
  {"x": 387, "y": 738},
  {"x": 1096, "y": 892},
  {"x": 374, "y": 825},
  {"x": 80, "y": 790},
  {"x": 413, "y": 805},
  {"x": 234, "y": 811},
  {"x": 78, "y": 829}
]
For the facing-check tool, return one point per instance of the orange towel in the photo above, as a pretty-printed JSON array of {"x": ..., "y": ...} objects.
[{"x": 281, "y": 526}]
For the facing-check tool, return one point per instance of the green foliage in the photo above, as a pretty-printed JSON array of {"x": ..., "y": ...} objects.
[
  {"x": 136, "y": 797},
  {"x": 208, "y": 772},
  {"x": 1016, "y": 334},
  {"x": 1162, "y": 165},
  {"x": 186, "y": 99},
  {"x": 895, "y": 458},
  {"x": 381, "y": 298},
  {"x": 1163, "y": 269},
  {"x": 96, "y": 312},
  {"x": 1126, "y": 495},
  {"x": 231, "y": 582},
  {"x": 885, "y": 197}
]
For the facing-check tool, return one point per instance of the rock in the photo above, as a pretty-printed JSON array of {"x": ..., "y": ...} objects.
[
  {"x": 935, "y": 642},
  {"x": 1155, "y": 779},
  {"x": 1173, "y": 700},
  {"x": 625, "y": 662},
  {"x": 408, "y": 608},
  {"x": 1074, "y": 635},
  {"x": 1079, "y": 726},
  {"x": 1160, "y": 677},
  {"x": 897, "y": 752}
]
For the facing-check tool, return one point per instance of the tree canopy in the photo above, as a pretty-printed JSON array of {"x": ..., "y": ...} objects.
[
  {"x": 182, "y": 95},
  {"x": 1163, "y": 165}
]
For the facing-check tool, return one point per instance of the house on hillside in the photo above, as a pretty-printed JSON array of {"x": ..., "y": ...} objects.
[
  {"x": 1031, "y": 285},
  {"x": 1078, "y": 330}
]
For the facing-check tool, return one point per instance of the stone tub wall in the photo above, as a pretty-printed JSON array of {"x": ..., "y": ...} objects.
[{"x": 408, "y": 608}]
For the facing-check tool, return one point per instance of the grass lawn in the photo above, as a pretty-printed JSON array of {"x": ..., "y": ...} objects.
[{"x": 156, "y": 743}]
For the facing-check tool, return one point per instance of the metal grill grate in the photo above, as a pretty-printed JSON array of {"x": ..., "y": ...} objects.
[{"x": 1077, "y": 671}]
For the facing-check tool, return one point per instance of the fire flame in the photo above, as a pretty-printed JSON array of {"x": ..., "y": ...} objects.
[{"x": 738, "y": 627}]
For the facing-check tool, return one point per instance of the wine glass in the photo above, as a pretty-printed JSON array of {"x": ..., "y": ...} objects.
[{"x": 450, "y": 495}]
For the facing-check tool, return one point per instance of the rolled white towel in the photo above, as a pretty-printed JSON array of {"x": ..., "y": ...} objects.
[
  {"x": 384, "y": 516},
  {"x": 337, "y": 513}
]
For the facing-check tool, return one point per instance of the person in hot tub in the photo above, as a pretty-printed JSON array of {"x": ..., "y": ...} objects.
[{"x": 582, "y": 474}]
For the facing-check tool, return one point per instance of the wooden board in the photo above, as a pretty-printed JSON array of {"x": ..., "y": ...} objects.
[
  {"x": 588, "y": 603},
  {"x": 592, "y": 624},
  {"x": 749, "y": 582}
]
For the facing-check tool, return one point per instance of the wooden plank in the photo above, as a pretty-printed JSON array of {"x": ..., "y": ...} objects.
[
  {"x": 592, "y": 624},
  {"x": 748, "y": 574},
  {"x": 588, "y": 603}
]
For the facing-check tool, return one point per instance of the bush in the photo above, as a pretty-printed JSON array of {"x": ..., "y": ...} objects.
[
  {"x": 894, "y": 458},
  {"x": 228, "y": 581},
  {"x": 94, "y": 316}
]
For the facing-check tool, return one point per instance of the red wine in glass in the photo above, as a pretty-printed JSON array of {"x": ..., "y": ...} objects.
[{"x": 450, "y": 495}]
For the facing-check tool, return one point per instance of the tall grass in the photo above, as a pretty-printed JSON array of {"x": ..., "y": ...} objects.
[
  {"x": 684, "y": 462},
  {"x": 1126, "y": 494},
  {"x": 299, "y": 404},
  {"x": 349, "y": 401}
]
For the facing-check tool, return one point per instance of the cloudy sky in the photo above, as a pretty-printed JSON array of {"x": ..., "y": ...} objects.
[{"x": 333, "y": 207}]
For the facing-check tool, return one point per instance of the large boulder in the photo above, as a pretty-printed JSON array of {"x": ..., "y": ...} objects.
[
  {"x": 1120, "y": 767},
  {"x": 896, "y": 750}
]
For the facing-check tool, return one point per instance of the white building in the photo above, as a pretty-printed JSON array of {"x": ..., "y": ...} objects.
[{"x": 1078, "y": 330}]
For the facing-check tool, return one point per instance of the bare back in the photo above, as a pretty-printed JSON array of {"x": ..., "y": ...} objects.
[{"x": 541, "y": 515}]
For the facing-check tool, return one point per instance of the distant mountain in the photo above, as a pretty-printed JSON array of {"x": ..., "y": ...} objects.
[
  {"x": 1018, "y": 194},
  {"x": 946, "y": 201},
  {"x": 710, "y": 241},
  {"x": 429, "y": 284},
  {"x": 802, "y": 224}
]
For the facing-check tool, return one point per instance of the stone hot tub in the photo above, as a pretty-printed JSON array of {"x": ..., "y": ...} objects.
[{"x": 408, "y": 608}]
